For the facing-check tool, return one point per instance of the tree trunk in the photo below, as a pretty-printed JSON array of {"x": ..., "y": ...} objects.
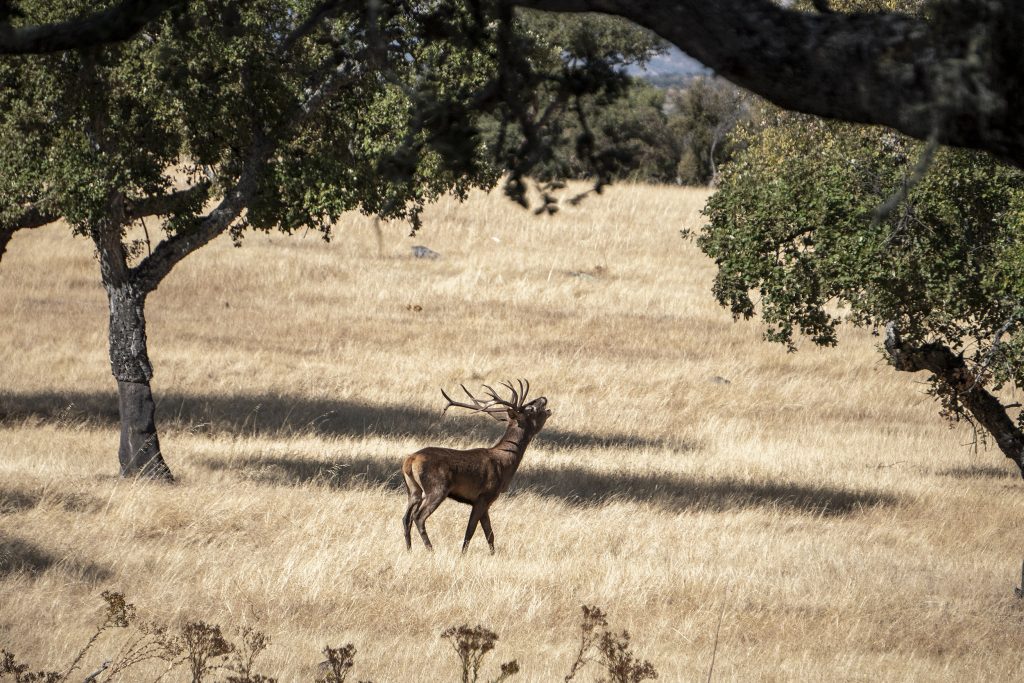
[
  {"x": 139, "y": 451},
  {"x": 984, "y": 408}
]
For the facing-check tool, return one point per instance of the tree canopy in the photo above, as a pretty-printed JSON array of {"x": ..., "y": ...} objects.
[
  {"x": 953, "y": 72},
  {"x": 818, "y": 222},
  {"x": 220, "y": 116}
]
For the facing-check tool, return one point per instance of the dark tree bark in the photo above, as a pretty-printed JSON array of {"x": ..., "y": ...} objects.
[
  {"x": 957, "y": 78},
  {"x": 139, "y": 450},
  {"x": 982, "y": 406}
]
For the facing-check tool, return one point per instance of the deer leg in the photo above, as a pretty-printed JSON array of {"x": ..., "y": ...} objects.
[
  {"x": 485, "y": 522},
  {"x": 426, "y": 509},
  {"x": 479, "y": 509},
  {"x": 410, "y": 512},
  {"x": 415, "y": 492}
]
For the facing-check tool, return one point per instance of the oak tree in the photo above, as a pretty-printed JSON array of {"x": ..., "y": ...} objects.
[
  {"x": 820, "y": 222},
  {"x": 221, "y": 116}
]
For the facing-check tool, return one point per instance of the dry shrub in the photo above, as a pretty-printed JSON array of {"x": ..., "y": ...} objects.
[
  {"x": 472, "y": 644},
  {"x": 610, "y": 651}
]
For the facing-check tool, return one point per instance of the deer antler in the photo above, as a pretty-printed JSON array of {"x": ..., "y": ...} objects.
[{"x": 494, "y": 405}]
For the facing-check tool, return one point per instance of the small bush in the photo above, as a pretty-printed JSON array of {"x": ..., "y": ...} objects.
[
  {"x": 205, "y": 649},
  {"x": 472, "y": 644},
  {"x": 611, "y": 651},
  {"x": 9, "y": 666},
  {"x": 253, "y": 643},
  {"x": 208, "y": 654},
  {"x": 338, "y": 665}
]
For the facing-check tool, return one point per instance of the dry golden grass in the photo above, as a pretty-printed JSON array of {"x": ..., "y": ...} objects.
[{"x": 844, "y": 531}]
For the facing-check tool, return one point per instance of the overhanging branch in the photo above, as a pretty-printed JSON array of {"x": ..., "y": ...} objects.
[
  {"x": 114, "y": 24},
  {"x": 959, "y": 80},
  {"x": 172, "y": 250}
]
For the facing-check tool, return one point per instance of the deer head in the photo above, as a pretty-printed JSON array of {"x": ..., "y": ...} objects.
[{"x": 530, "y": 417}]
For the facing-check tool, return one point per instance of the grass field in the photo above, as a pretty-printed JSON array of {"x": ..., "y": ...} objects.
[{"x": 814, "y": 500}]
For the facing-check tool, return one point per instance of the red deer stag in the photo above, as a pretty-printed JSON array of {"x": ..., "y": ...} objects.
[{"x": 475, "y": 476}]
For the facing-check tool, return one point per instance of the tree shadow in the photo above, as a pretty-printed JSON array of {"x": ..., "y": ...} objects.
[
  {"x": 577, "y": 486},
  {"x": 18, "y": 555},
  {"x": 268, "y": 414},
  {"x": 979, "y": 472},
  {"x": 16, "y": 499}
]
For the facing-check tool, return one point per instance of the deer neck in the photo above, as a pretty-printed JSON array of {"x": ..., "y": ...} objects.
[{"x": 512, "y": 444}]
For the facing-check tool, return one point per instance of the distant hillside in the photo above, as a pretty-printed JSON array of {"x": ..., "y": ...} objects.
[{"x": 672, "y": 69}]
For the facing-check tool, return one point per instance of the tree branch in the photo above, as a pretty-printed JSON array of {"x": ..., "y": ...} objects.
[
  {"x": 960, "y": 77},
  {"x": 167, "y": 204},
  {"x": 172, "y": 250},
  {"x": 31, "y": 217},
  {"x": 155, "y": 267},
  {"x": 949, "y": 367},
  {"x": 117, "y": 23}
]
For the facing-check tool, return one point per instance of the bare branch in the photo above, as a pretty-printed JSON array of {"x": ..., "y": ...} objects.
[
  {"x": 111, "y": 25},
  {"x": 30, "y": 217}
]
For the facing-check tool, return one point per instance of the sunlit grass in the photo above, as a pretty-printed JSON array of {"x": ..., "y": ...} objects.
[{"x": 689, "y": 468}]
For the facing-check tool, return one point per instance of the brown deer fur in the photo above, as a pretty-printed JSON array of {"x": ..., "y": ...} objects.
[{"x": 476, "y": 476}]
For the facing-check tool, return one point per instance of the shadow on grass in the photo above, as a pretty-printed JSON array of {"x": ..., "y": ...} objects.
[
  {"x": 16, "y": 499},
  {"x": 19, "y": 555},
  {"x": 273, "y": 415},
  {"x": 578, "y": 486},
  {"x": 980, "y": 472}
]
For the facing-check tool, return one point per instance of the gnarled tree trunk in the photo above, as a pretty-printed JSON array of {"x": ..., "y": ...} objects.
[
  {"x": 984, "y": 408},
  {"x": 139, "y": 450}
]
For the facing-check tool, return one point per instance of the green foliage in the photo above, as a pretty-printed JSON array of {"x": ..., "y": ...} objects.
[
  {"x": 208, "y": 80},
  {"x": 202, "y": 85},
  {"x": 630, "y": 134},
  {"x": 702, "y": 116},
  {"x": 649, "y": 134},
  {"x": 803, "y": 219},
  {"x": 558, "y": 73}
]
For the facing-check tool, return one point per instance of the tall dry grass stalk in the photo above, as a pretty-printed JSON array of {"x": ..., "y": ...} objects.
[{"x": 815, "y": 501}]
